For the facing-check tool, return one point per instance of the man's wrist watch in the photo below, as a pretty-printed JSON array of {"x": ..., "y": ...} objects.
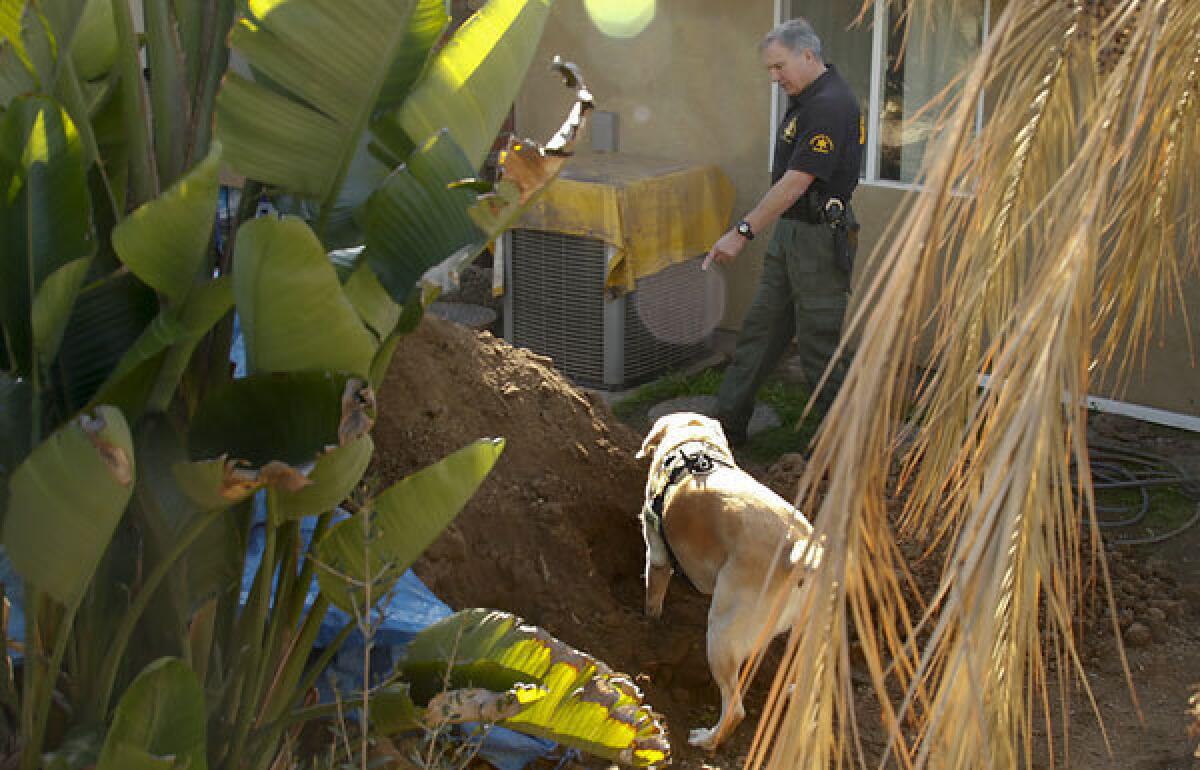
[{"x": 744, "y": 229}]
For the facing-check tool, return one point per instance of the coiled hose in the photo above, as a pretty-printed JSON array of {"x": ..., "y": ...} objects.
[{"x": 1121, "y": 465}]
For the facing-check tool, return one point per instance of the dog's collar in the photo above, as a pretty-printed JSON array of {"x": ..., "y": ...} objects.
[{"x": 715, "y": 452}]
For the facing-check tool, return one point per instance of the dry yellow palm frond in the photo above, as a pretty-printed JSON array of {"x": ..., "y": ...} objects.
[{"x": 1051, "y": 235}]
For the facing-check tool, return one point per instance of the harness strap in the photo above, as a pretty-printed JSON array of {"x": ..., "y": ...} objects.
[{"x": 680, "y": 465}]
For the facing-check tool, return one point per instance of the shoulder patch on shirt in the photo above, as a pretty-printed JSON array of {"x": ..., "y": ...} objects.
[
  {"x": 789, "y": 133},
  {"x": 821, "y": 144}
]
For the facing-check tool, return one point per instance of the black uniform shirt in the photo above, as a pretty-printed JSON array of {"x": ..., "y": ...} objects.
[{"x": 822, "y": 134}]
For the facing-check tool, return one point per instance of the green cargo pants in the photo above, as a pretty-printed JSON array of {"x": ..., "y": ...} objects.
[{"x": 803, "y": 292}]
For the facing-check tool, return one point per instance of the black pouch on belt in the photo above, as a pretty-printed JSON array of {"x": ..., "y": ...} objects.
[{"x": 845, "y": 233}]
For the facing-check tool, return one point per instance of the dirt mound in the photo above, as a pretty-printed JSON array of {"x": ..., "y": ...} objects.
[{"x": 552, "y": 535}]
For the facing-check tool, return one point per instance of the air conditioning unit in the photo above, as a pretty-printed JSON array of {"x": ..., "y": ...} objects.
[{"x": 555, "y": 304}]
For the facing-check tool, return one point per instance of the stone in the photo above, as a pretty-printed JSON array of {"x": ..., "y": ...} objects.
[
  {"x": 1138, "y": 635},
  {"x": 764, "y": 417}
]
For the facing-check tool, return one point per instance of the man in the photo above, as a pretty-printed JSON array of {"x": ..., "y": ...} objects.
[{"x": 806, "y": 274}]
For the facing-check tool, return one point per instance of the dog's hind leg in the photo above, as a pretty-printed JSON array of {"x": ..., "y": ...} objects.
[
  {"x": 733, "y": 625},
  {"x": 658, "y": 564}
]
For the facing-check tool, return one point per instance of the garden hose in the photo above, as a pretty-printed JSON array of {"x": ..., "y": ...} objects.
[{"x": 1121, "y": 465}]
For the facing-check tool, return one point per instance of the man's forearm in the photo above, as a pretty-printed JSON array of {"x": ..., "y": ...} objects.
[{"x": 782, "y": 195}]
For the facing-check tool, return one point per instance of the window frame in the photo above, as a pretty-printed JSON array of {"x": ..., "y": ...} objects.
[{"x": 870, "y": 174}]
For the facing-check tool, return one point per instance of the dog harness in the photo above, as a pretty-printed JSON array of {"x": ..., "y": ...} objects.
[{"x": 693, "y": 458}]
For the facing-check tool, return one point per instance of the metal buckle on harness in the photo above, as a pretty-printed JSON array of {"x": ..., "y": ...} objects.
[{"x": 697, "y": 463}]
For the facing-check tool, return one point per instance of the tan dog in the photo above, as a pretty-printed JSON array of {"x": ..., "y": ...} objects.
[{"x": 729, "y": 534}]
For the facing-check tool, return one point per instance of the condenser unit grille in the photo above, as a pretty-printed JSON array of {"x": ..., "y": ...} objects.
[
  {"x": 556, "y": 307},
  {"x": 557, "y": 286},
  {"x": 674, "y": 299}
]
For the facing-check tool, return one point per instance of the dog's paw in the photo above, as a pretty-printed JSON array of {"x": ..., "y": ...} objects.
[{"x": 703, "y": 738}]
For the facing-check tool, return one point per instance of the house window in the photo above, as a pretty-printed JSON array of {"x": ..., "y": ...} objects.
[{"x": 902, "y": 86}]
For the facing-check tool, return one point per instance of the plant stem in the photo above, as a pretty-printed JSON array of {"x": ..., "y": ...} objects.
[
  {"x": 31, "y": 752},
  {"x": 143, "y": 179},
  {"x": 214, "y": 62},
  {"x": 251, "y": 637},
  {"x": 35, "y": 716},
  {"x": 108, "y": 673},
  {"x": 368, "y": 631}
]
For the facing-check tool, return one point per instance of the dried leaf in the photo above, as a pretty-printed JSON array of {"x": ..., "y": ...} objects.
[
  {"x": 358, "y": 411},
  {"x": 114, "y": 456}
]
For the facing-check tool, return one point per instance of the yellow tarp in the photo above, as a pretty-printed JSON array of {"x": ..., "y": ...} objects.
[{"x": 654, "y": 213}]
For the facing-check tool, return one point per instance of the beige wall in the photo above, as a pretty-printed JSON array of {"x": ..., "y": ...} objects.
[{"x": 691, "y": 87}]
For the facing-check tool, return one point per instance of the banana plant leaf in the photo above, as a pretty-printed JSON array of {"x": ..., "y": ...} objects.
[
  {"x": 295, "y": 316},
  {"x": 15, "y": 425},
  {"x": 378, "y": 310},
  {"x": 403, "y": 246},
  {"x": 393, "y": 710},
  {"x": 473, "y": 80},
  {"x": 330, "y": 65},
  {"x": 159, "y": 722},
  {"x": 403, "y": 240},
  {"x": 106, "y": 321},
  {"x": 375, "y": 546},
  {"x": 425, "y": 26},
  {"x": 213, "y": 563},
  {"x": 169, "y": 89},
  {"x": 165, "y": 241},
  {"x": 94, "y": 47},
  {"x": 36, "y": 41},
  {"x": 15, "y": 78},
  {"x": 55, "y": 532},
  {"x": 52, "y": 306},
  {"x": 331, "y": 480},
  {"x": 141, "y": 370},
  {"x": 291, "y": 418},
  {"x": 44, "y": 215},
  {"x": 586, "y": 705}
]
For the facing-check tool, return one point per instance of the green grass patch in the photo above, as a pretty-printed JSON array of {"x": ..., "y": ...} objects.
[
  {"x": 1169, "y": 508},
  {"x": 786, "y": 397},
  {"x": 671, "y": 386}
]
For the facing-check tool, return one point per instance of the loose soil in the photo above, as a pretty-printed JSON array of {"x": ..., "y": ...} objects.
[{"x": 553, "y": 536}]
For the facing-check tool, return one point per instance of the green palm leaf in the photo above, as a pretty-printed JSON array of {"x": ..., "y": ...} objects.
[
  {"x": 159, "y": 722},
  {"x": 165, "y": 241},
  {"x": 140, "y": 371},
  {"x": 472, "y": 82},
  {"x": 94, "y": 47},
  {"x": 105, "y": 323},
  {"x": 14, "y": 423},
  {"x": 586, "y": 705},
  {"x": 332, "y": 59},
  {"x": 403, "y": 240},
  {"x": 399, "y": 525},
  {"x": 294, "y": 313},
  {"x": 52, "y": 306},
  {"x": 425, "y": 26},
  {"x": 44, "y": 215},
  {"x": 55, "y": 532},
  {"x": 290, "y": 418},
  {"x": 334, "y": 476}
]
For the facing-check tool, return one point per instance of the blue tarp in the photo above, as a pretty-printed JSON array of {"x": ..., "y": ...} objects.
[{"x": 409, "y": 608}]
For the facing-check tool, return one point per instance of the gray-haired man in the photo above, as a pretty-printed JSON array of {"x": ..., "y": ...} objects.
[{"x": 806, "y": 274}]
